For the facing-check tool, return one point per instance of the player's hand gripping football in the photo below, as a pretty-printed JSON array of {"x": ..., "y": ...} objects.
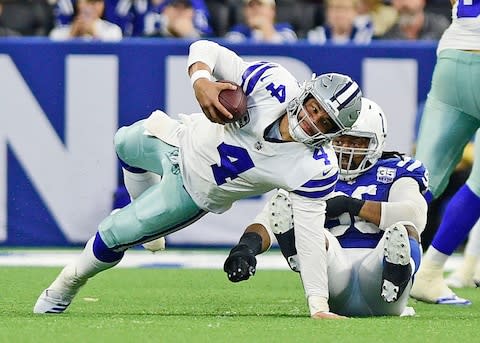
[
  {"x": 207, "y": 92},
  {"x": 240, "y": 263}
]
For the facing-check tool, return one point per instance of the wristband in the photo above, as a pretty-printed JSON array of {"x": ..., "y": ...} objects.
[
  {"x": 200, "y": 74},
  {"x": 253, "y": 241},
  {"x": 355, "y": 205}
]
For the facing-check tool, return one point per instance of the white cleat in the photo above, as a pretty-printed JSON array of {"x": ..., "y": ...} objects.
[
  {"x": 429, "y": 286},
  {"x": 60, "y": 293},
  {"x": 397, "y": 270},
  {"x": 281, "y": 212},
  {"x": 51, "y": 301}
]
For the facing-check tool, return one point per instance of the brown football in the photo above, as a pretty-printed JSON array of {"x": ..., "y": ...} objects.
[{"x": 235, "y": 101}]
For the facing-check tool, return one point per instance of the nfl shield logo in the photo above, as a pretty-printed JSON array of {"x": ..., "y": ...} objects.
[{"x": 386, "y": 175}]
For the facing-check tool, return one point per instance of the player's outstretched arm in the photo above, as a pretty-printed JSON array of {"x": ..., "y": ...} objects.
[{"x": 241, "y": 262}]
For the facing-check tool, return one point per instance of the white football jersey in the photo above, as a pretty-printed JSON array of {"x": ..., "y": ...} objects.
[
  {"x": 223, "y": 163},
  {"x": 464, "y": 32}
]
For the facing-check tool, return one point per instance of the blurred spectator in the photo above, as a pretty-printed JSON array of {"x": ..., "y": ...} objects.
[
  {"x": 341, "y": 26},
  {"x": 87, "y": 23},
  {"x": 5, "y": 31},
  {"x": 259, "y": 17},
  {"x": 382, "y": 16},
  {"x": 26, "y": 17},
  {"x": 175, "y": 20},
  {"x": 415, "y": 23},
  {"x": 138, "y": 17}
]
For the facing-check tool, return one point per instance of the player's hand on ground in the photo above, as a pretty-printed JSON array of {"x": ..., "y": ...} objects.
[
  {"x": 206, "y": 93},
  {"x": 327, "y": 315},
  {"x": 240, "y": 264}
]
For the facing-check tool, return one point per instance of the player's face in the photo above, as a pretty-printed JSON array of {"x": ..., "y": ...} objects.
[
  {"x": 314, "y": 119},
  {"x": 351, "y": 142}
]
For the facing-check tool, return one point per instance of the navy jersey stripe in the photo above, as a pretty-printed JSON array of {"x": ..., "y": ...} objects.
[
  {"x": 254, "y": 79},
  {"x": 249, "y": 71},
  {"x": 317, "y": 194},
  {"x": 320, "y": 183}
]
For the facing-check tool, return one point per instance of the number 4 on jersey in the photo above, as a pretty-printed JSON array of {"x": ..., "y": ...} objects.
[{"x": 233, "y": 161}]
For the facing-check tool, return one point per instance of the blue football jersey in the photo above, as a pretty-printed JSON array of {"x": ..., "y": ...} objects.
[{"x": 375, "y": 185}]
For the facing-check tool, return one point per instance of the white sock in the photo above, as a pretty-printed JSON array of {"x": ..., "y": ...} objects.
[
  {"x": 436, "y": 257},
  {"x": 76, "y": 273},
  {"x": 137, "y": 183}
]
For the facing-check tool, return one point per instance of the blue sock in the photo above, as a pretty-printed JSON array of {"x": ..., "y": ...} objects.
[
  {"x": 104, "y": 253},
  {"x": 415, "y": 253},
  {"x": 461, "y": 214}
]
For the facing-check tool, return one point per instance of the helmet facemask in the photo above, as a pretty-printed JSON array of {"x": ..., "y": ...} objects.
[
  {"x": 338, "y": 96},
  {"x": 349, "y": 155},
  {"x": 355, "y": 158}
]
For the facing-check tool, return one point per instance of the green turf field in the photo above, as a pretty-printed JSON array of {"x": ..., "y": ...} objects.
[{"x": 170, "y": 305}]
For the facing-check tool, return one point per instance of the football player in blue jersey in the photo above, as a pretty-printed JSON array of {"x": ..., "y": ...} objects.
[
  {"x": 375, "y": 219},
  {"x": 451, "y": 117},
  {"x": 281, "y": 142}
]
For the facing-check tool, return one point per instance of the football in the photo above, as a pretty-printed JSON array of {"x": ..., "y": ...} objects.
[{"x": 235, "y": 101}]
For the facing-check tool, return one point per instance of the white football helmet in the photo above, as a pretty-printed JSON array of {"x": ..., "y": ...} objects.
[
  {"x": 339, "y": 96},
  {"x": 372, "y": 124}
]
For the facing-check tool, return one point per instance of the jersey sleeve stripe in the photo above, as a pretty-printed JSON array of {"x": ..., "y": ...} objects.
[
  {"x": 320, "y": 183},
  {"x": 316, "y": 194},
  {"x": 404, "y": 162},
  {"x": 254, "y": 79},
  {"x": 416, "y": 164},
  {"x": 246, "y": 74}
]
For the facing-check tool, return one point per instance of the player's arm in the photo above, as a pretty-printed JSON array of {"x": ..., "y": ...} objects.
[
  {"x": 310, "y": 242},
  {"x": 405, "y": 202},
  {"x": 208, "y": 61},
  {"x": 241, "y": 262}
]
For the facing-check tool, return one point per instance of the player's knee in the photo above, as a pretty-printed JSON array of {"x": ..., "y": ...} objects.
[
  {"x": 120, "y": 142},
  {"x": 127, "y": 145}
]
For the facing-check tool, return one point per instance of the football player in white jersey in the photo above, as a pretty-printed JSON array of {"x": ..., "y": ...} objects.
[
  {"x": 283, "y": 141},
  {"x": 375, "y": 219},
  {"x": 451, "y": 117}
]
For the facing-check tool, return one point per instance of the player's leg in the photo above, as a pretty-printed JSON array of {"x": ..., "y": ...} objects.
[
  {"x": 451, "y": 117},
  {"x": 452, "y": 232},
  {"x": 464, "y": 275},
  {"x": 165, "y": 207},
  {"x": 386, "y": 274},
  {"x": 137, "y": 180}
]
